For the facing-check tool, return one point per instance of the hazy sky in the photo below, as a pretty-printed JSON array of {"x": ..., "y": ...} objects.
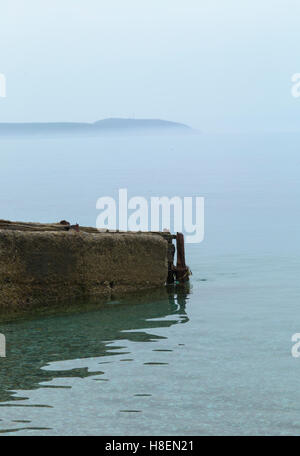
[{"x": 214, "y": 64}]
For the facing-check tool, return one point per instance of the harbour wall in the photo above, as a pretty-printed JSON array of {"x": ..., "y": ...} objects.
[{"x": 39, "y": 267}]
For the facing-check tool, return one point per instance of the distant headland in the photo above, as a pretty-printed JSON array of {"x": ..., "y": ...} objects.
[{"x": 100, "y": 127}]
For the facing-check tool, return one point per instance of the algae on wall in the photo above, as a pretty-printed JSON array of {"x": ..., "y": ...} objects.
[{"x": 40, "y": 267}]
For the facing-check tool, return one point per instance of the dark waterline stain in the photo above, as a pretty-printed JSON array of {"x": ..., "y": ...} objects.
[
  {"x": 26, "y": 405},
  {"x": 131, "y": 411},
  {"x": 156, "y": 364},
  {"x": 161, "y": 350},
  {"x": 21, "y": 421},
  {"x": 56, "y": 386},
  {"x": 5, "y": 431}
]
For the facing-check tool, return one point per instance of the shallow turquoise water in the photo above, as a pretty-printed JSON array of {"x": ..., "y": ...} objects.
[{"x": 214, "y": 360}]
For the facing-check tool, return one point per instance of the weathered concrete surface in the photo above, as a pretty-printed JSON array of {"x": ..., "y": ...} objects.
[{"x": 40, "y": 267}]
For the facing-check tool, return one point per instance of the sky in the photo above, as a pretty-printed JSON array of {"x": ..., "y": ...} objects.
[{"x": 218, "y": 66}]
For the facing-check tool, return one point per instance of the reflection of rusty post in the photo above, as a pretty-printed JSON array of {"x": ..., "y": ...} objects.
[{"x": 182, "y": 271}]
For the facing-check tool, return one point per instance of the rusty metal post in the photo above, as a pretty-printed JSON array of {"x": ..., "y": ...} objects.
[
  {"x": 171, "y": 253},
  {"x": 182, "y": 270}
]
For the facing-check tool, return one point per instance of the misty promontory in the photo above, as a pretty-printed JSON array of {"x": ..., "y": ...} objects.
[{"x": 109, "y": 126}]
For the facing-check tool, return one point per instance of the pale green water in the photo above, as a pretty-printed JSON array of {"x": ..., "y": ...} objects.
[{"x": 216, "y": 360}]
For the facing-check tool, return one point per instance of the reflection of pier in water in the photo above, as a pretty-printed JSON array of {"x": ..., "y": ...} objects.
[{"x": 32, "y": 344}]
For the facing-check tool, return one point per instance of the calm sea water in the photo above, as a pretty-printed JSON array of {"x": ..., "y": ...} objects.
[{"x": 211, "y": 360}]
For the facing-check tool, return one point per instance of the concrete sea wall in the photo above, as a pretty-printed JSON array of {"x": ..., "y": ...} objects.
[{"x": 40, "y": 267}]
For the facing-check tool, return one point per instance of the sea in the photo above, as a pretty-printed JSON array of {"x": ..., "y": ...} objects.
[{"x": 212, "y": 358}]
